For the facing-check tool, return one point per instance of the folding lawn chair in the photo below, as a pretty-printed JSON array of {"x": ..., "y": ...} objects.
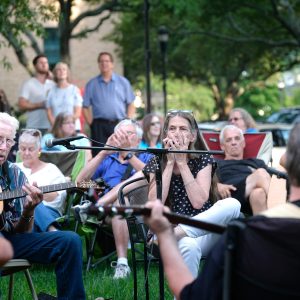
[{"x": 258, "y": 145}]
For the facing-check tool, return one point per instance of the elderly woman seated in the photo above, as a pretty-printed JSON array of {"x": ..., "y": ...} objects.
[{"x": 42, "y": 173}]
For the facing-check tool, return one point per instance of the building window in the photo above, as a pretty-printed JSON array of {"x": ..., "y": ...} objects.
[{"x": 51, "y": 46}]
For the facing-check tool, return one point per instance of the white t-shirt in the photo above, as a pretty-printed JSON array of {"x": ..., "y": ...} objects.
[
  {"x": 64, "y": 100},
  {"x": 48, "y": 175},
  {"x": 35, "y": 91}
]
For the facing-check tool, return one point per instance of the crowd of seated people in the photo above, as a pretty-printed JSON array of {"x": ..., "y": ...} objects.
[{"x": 192, "y": 184}]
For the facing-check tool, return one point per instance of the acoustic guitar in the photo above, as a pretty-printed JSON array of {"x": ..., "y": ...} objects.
[
  {"x": 128, "y": 211},
  {"x": 19, "y": 193}
]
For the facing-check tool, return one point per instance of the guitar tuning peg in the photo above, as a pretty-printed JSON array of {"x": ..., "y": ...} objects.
[
  {"x": 101, "y": 212},
  {"x": 114, "y": 211},
  {"x": 128, "y": 212}
]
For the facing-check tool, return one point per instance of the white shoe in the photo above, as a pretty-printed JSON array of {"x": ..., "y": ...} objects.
[{"x": 121, "y": 271}]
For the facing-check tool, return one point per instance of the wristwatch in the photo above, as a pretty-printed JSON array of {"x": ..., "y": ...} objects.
[{"x": 128, "y": 156}]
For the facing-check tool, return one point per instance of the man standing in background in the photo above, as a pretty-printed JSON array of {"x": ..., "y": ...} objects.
[
  {"x": 33, "y": 95},
  {"x": 108, "y": 98}
]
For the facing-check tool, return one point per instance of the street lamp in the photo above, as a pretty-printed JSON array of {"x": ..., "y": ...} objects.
[
  {"x": 147, "y": 55},
  {"x": 163, "y": 37}
]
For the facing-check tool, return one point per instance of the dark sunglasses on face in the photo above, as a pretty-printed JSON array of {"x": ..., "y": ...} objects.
[
  {"x": 155, "y": 123},
  {"x": 234, "y": 119}
]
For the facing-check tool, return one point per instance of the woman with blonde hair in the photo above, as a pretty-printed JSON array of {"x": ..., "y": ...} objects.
[{"x": 64, "y": 96}]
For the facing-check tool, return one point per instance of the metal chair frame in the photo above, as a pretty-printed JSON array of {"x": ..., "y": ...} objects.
[
  {"x": 138, "y": 235},
  {"x": 18, "y": 265}
]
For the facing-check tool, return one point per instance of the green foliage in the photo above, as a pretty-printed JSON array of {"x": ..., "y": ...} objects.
[
  {"x": 181, "y": 94},
  {"x": 214, "y": 42},
  {"x": 293, "y": 100},
  {"x": 260, "y": 102}
]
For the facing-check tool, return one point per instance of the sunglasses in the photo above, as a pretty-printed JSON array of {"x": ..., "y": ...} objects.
[
  {"x": 234, "y": 119},
  {"x": 176, "y": 111},
  {"x": 155, "y": 123}
]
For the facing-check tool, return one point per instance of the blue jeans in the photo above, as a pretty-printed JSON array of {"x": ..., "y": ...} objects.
[
  {"x": 61, "y": 247},
  {"x": 44, "y": 216}
]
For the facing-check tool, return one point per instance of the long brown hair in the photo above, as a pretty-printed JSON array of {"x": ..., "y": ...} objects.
[
  {"x": 146, "y": 124},
  {"x": 197, "y": 144},
  {"x": 57, "y": 126}
]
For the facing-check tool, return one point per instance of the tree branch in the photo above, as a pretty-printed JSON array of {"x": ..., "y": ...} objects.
[
  {"x": 17, "y": 46},
  {"x": 34, "y": 43},
  {"x": 290, "y": 23},
  {"x": 271, "y": 43},
  {"x": 84, "y": 32},
  {"x": 107, "y": 6}
]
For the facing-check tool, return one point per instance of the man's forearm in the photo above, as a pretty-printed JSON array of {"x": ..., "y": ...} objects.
[{"x": 88, "y": 171}]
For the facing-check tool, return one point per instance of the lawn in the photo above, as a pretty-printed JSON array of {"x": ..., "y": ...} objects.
[{"x": 98, "y": 282}]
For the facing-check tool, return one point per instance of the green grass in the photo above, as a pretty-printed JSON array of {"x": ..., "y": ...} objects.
[{"x": 98, "y": 282}]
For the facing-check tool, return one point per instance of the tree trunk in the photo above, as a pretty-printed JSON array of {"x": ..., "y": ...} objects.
[{"x": 64, "y": 30}]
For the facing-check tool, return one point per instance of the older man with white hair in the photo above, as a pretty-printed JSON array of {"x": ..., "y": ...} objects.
[
  {"x": 114, "y": 166},
  {"x": 244, "y": 179},
  {"x": 60, "y": 247}
]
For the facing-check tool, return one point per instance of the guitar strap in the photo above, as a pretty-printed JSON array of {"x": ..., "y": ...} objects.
[{"x": 6, "y": 182}]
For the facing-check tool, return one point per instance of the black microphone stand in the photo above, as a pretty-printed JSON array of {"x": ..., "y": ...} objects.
[{"x": 158, "y": 152}]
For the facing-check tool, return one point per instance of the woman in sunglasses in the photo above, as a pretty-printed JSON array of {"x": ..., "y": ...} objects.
[
  {"x": 64, "y": 127},
  {"x": 187, "y": 186},
  {"x": 42, "y": 173},
  {"x": 243, "y": 120},
  {"x": 151, "y": 125}
]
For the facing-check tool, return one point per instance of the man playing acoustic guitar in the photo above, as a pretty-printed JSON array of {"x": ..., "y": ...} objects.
[{"x": 60, "y": 247}]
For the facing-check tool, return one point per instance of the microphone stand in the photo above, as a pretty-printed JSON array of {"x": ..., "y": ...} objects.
[{"x": 158, "y": 152}]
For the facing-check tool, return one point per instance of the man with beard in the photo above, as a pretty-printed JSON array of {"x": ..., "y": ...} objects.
[{"x": 33, "y": 94}]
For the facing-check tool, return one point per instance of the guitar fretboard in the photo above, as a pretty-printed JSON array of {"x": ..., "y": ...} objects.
[{"x": 18, "y": 193}]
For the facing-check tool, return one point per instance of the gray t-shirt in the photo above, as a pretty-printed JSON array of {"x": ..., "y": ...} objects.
[{"x": 35, "y": 91}]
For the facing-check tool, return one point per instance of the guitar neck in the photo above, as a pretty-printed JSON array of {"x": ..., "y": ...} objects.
[
  {"x": 127, "y": 211},
  {"x": 18, "y": 193}
]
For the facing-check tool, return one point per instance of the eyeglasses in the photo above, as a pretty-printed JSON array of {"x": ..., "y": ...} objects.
[
  {"x": 176, "y": 111},
  {"x": 234, "y": 119},
  {"x": 9, "y": 142},
  {"x": 33, "y": 132},
  {"x": 155, "y": 123}
]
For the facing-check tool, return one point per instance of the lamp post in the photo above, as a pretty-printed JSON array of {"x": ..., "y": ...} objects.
[
  {"x": 147, "y": 55},
  {"x": 163, "y": 37}
]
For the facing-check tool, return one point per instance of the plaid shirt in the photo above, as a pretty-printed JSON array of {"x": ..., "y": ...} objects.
[{"x": 12, "y": 208}]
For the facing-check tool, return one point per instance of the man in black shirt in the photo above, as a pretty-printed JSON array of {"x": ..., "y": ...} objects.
[{"x": 244, "y": 179}]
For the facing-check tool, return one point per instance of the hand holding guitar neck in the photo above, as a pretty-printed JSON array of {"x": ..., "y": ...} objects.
[{"x": 127, "y": 211}]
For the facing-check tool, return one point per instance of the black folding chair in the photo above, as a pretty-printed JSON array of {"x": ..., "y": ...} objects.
[
  {"x": 138, "y": 236},
  {"x": 17, "y": 265},
  {"x": 262, "y": 259}
]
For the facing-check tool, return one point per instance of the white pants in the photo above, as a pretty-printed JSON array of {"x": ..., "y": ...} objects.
[{"x": 199, "y": 242}]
